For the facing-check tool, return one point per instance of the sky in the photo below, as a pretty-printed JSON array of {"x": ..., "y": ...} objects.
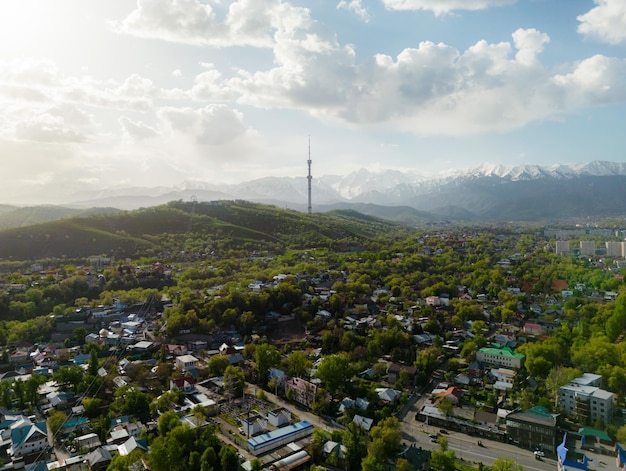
[{"x": 98, "y": 94}]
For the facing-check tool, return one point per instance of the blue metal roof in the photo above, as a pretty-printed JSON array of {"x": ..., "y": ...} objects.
[{"x": 260, "y": 440}]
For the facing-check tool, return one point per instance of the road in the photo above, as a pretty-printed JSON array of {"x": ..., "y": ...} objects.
[{"x": 467, "y": 448}]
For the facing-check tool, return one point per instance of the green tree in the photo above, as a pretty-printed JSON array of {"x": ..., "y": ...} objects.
[
  {"x": 229, "y": 460},
  {"x": 234, "y": 381},
  {"x": 266, "y": 356},
  {"x": 506, "y": 464},
  {"x": 335, "y": 371},
  {"x": 217, "y": 365},
  {"x": 355, "y": 439},
  {"x": 298, "y": 364},
  {"x": 56, "y": 420}
]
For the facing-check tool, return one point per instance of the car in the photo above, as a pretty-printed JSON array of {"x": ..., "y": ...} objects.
[
  {"x": 444, "y": 431},
  {"x": 433, "y": 436},
  {"x": 539, "y": 454}
]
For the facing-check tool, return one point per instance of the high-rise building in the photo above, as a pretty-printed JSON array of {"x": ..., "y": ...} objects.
[
  {"x": 615, "y": 249},
  {"x": 562, "y": 247},
  {"x": 587, "y": 247}
]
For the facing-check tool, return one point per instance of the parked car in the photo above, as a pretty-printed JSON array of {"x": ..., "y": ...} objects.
[{"x": 444, "y": 431}]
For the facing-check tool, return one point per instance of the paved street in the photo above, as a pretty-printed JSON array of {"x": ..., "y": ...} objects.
[{"x": 466, "y": 447}]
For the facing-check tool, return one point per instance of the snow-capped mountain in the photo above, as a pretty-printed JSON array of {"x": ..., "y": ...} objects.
[{"x": 488, "y": 191}]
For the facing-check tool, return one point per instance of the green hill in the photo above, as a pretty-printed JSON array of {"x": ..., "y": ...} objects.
[
  {"x": 11, "y": 216},
  {"x": 168, "y": 229}
]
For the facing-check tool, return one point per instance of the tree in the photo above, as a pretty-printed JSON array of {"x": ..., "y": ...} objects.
[
  {"x": 234, "y": 381},
  {"x": 93, "y": 366},
  {"x": 131, "y": 401},
  {"x": 386, "y": 438},
  {"x": 229, "y": 459},
  {"x": 355, "y": 439},
  {"x": 56, "y": 421},
  {"x": 442, "y": 460},
  {"x": 446, "y": 407},
  {"x": 506, "y": 464},
  {"x": 335, "y": 371},
  {"x": 298, "y": 364},
  {"x": 217, "y": 364},
  {"x": 266, "y": 356}
]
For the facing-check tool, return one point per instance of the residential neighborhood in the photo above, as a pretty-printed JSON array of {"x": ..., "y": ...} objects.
[{"x": 336, "y": 353}]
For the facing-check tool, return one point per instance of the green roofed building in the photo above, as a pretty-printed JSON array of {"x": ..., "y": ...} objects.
[
  {"x": 534, "y": 429},
  {"x": 500, "y": 357}
]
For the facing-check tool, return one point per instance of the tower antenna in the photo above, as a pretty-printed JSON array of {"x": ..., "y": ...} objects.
[{"x": 309, "y": 177}]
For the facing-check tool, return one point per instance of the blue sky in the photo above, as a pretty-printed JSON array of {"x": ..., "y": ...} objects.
[{"x": 157, "y": 92}]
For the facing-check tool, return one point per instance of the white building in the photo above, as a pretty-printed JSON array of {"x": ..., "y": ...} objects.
[
  {"x": 585, "y": 402},
  {"x": 186, "y": 363}
]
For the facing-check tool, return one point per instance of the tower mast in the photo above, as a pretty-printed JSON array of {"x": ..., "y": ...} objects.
[{"x": 309, "y": 177}]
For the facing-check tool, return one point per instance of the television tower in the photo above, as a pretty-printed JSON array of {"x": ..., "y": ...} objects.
[{"x": 309, "y": 177}]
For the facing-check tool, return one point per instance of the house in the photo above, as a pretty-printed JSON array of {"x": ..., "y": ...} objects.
[
  {"x": 433, "y": 301},
  {"x": 277, "y": 375},
  {"x": 176, "y": 350},
  {"x": 363, "y": 422},
  {"x": 279, "y": 417},
  {"x": 534, "y": 329},
  {"x": 345, "y": 403},
  {"x": 254, "y": 425},
  {"x": 132, "y": 444},
  {"x": 303, "y": 391},
  {"x": 387, "y": 394},
  {"x": 28, "y": 439},
  {"x": 504, "y": 378},
  {"x": 452, "y": 393},
  {"x": 87, "y": 442},
  {"x": 394, "y": 370},
  {"x": 185, "y": 384},
  {"x": 186, "y": 363},
  {"x": 331, "y": 447},
  {"x": 99, "y": 459}
]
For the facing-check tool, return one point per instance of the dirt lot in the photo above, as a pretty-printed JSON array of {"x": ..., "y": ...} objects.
[{"x": 286, "y": 330}]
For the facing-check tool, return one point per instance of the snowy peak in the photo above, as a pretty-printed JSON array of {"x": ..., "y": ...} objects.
[{"x": 597, "y": 168}]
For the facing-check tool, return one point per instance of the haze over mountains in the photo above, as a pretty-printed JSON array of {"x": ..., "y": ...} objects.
[{"x": 487, "y": 192}]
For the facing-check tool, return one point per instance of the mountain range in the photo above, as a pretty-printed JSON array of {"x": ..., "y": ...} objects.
[{"x": 484, "y": 193}]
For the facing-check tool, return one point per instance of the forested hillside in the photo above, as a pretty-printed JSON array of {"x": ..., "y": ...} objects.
[{"x": 192, "y": 227}]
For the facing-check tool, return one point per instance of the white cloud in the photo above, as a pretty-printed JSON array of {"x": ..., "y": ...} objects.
[
  {"x": 46, "y": 128},
  {"x": 245, "y": 23},
  {"x": 529, "y": 43},
  {"x": 606, "y": 21},
  {"x": 357, "y": 7},
  {"x": 213, "y": 125},
  {"x": 433, "y": 89},
  {"x": 137, "y": 130},
  {"x": 596, "y": 80},
  {"x": 439, "y": 7}
]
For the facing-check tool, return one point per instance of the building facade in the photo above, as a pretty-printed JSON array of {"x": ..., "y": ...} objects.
[
  {"x": 500, "y": 357},
  {"x": 585, "y": 402}
]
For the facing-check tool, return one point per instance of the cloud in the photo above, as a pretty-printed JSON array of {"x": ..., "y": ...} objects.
[
  {"x": 433, "y": 89},
  {"x": 593, "y": 81},
  {"x": 357, "y": 7},
  {"x": 213, "y": 125},
  {"x": 606, "y": 21},
  {"x": 439, "y": 7},
  {"x": 46, "y": 128},
  {"x": 137, "y": 130},
  {"x": 245, "y": 23}
]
